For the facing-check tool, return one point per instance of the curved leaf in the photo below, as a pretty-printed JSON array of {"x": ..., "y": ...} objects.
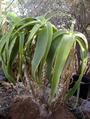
[
  {"x": 33, "y": 32},
  {"x": 44, "y": 40},
  {"x": 81, "y": 39},
  {"x": 25, "y": 25},
  {"x": 50, "y": 36},
  {"x": 61, "y": 56},
  {"x": 56, "y": 40}
]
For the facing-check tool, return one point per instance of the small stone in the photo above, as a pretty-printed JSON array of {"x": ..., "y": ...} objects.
[{"x": 88, "y": 30}]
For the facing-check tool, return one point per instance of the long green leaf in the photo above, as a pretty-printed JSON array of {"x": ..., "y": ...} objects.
[
  {"x": 81, "y": 39},
  {"x": 12, "y": 51},
  {"x": 33, "y": 32},
  {"x": 3, "y": 41},
  {"x": 49, "y": 37},
  {"x": 11, "y": 57},
  {"x": 61, "y": 56},
  {"x": 21, "y": 51},
  {"x": 42, "y": 41},
  {"x": 25, "y": 25},
  {"x": 56, "y": 40},
  {"x": 9, "y": 77}
]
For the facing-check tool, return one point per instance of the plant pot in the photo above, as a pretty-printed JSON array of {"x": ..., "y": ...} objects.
[{"x": 84, "y": 86}]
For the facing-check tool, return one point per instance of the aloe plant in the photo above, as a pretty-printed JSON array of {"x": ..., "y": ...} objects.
[
  {"x": 67, "y": 41},
  {"x": 52, "y": 48}
]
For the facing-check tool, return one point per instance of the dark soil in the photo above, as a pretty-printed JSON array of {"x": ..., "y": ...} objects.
[
  {"x": 8, "y": 94},
  {"x": 24, "y": 108},
  {"x": 83, "y": 109},
  {"x": 18, "y": 105}
]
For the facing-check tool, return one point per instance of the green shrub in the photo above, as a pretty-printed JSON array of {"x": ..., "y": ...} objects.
[{"x": 39, "y": 42}]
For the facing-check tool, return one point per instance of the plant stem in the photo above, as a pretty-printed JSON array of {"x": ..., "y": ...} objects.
[
  {"x": 77, "y": 99},
  {"x": 29, "y": 85}
]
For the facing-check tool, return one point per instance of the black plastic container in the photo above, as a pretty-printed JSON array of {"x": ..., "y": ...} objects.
[{"x": 84, "y": 86}]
